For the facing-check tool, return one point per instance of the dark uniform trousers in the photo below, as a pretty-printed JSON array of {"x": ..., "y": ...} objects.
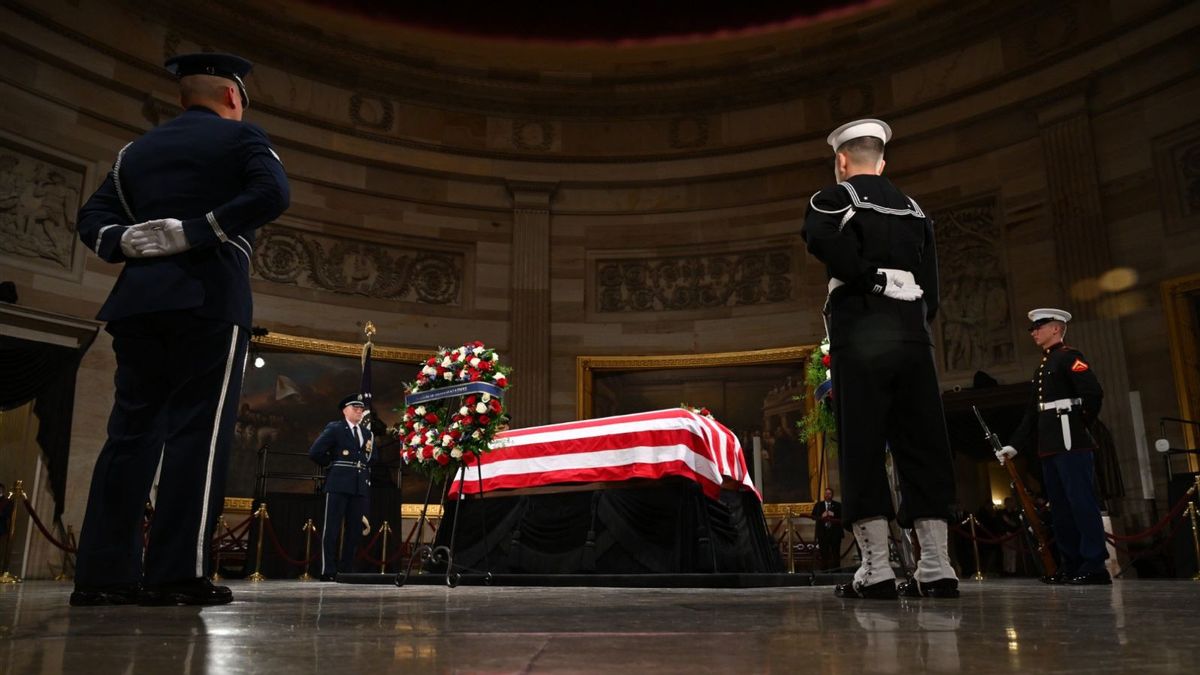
[
  {"x": 180, "y": 326},
  {"x": 1075, "y": 511},
  {"x": 347, "y": 492},
  {"x": 184, "y": 414},
  {"x": 885, "y": 387}
]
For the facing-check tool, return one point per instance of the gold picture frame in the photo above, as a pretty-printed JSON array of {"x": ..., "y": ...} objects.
[
  {"x": 1177, "y": 293},
  {"x": 587, "y": 366}
]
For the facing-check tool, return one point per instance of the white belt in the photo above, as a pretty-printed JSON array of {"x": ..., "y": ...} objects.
[
  {"x": 835, "y": 282},
  {"x": 352, "y": 465},
  {"x": 1063, "y": 406}
]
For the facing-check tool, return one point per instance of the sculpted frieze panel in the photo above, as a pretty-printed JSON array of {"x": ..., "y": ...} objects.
[
  {"x": 39, "y": 197},
  {"x": 295, "y": 257},
  {"x": 976, "y": 327},
  {"x": 1177, "y": 163},
  {"x": 754, "y": 277}
]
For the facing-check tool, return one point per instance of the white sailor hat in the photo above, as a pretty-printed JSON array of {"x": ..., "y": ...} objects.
[
  {"x": 858, "y": 129},
  {"x": 228, "y": 66},
  {"x": 1045, "y": 315}
]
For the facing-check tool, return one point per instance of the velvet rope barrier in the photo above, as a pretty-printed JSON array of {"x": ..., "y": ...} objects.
[
  {"x": 1157, "y": 527},
  {"x": 42, "y": 528},
  {"x": 362, "y": 550},
  {"x": 281, "y": 552}
]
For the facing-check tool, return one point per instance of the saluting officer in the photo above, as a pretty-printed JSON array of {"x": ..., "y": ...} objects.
[
  {"x": 1066, "y": 400},
  {"x": 179, "y": 209},
  {"x": 878, "y": 249},
  {"x": 345, "y": 448}
]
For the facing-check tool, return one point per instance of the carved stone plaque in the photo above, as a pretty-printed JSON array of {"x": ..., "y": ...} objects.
[
  {"x": 295, "y": 257},
  {"x": 39, "y": 199},
  {"x": 753, "y": 277},
  {"x": 976, "y": 327}
]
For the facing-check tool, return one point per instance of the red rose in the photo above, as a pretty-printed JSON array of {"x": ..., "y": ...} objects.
[
  {"x": 443, "y": 459},
  {"x": 432, "y": 418},
  {"x": 475, "y": 375},
  {"x": 472, "y": 400},
  {"x": 485, "y": 365},
  {"x": 455, "y": 434},
  {"x": 494, "y": 404},
  {"x": 484, "y": 419},
  {"x": 427, "y": 452},
  {"x": 825, "y": 360}
]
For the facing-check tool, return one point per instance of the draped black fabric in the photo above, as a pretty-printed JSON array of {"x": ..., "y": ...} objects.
[
  {"x": 43, "y": 373},
  {"x": 667, "y": 528}
]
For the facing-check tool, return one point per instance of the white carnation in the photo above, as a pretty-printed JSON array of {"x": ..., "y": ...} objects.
[
  {"x": 828, "y": 375},
  {"x": 474, "y": 362},
  {"x": 485, "y": 398},
  {"x": 463, "y": 411},
  {"x": 420, "y": 410},
  {"x": 480, "y": 408},
  {"x": 446, "y": 362},
  {"x": 496, "y": 358},
  {"x": 461, "y": 356},
  {"x": 429, "y": 370},
  {"x": 477, "y": 434},
  {"x": 446, "y": 439},
  {"x": 456, "y": 453},
  {"x": 448, "y": 375},
  {"x": 825, "y": 348},
  {"x": 478, "y": 350}
]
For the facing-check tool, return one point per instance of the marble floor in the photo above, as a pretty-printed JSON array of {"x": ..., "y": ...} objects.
[{"x": 293, "y": 627}]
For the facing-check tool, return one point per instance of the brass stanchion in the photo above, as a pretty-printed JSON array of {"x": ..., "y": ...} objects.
[
  {"x": 791, "y": 558},
  {"x": 8, "y": 577},
  {"x": 975, "y": 544},
  {"x": 385, "y": 529},
  {"x": 308, "y": 530},
  {"x": 1195, "y": 539},
  {"x": 262, "y": 516},
  {"x": 221, "y": 525}
]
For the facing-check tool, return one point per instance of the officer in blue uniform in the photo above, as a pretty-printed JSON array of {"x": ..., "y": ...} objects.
[
  {"x": 880, "y": 258},
  {"x": 1065, "y": 402},
  {"x": 179, "y": 211},
  {"x": 345, "y": 449}
]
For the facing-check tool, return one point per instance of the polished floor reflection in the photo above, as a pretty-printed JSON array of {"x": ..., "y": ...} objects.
[{"x": 282, "y": 626}]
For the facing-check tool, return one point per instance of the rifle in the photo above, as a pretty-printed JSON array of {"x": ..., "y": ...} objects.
[{"x": 1031, "y": 514}]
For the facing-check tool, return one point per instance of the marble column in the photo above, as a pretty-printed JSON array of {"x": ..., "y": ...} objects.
[
  {"x": 529, "y": 341},
  {"x": 1083, "y": 255}
]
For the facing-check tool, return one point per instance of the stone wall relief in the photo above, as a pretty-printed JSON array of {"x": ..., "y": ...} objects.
[
  {"x": 975, "y": 327},
  {"x": 39, "y": 199},
  {"x": 295, "y": 257},
  {"x": 1177, "y": 166},
  {"x": 697, "y": 281}
]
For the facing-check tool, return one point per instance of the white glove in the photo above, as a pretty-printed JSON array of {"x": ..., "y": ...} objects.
[
  {"x": 158, "y": 237},
  {"x": 127, "y": 246},
  {"x": 1005, "y": 453},
  {"x": 898, "y": 285}
]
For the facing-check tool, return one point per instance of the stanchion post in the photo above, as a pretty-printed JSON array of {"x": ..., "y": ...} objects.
[
  {"x": 385, "y": 529},
  {"x": 975, "y": 544},
  {"x": 791, "y": 547},
  {"x": 8, "y": 577},
  {"x": 262, "y": 516},
  {"x": 1191, "y": 509},
  {"x": 221, "y": 525},
  {"x": 308, "y": 530}
]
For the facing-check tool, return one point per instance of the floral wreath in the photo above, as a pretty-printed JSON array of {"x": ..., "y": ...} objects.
[
  {"x": 454, "y": 407},
  {"x": 703, "y": 412},
  {"x": 817, "y": 376}
]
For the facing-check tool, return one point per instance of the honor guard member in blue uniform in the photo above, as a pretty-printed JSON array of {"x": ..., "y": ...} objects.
[
  {"x": 345, "y": 449},
  {"x": 1066, "y": 400},
  {"x": 179, "y": 211},
  {"x": 878, "y": 250}
]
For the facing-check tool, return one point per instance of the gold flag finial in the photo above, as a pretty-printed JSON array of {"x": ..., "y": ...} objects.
[{"x": 369, "y": 329}]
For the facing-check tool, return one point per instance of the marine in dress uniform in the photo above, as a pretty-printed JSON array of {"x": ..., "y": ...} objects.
[
  {"x": 1066, "y": 400},
  {"x": 879, "y": 254},
  {"x": 179, "y": 210},
  {"x": 345, "y": 449}
]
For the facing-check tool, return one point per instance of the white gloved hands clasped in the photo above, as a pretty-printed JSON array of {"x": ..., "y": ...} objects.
[
  {"x": 1006, "y": 453},
  {"x": 898, "y": 285},
  {"x": 155, "y": 238}
]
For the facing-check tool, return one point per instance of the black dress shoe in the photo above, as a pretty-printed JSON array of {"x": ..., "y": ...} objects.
[
  {"x": 941, "y": 588},
  {"x": 882, "y": 590},
  {"x": 100, "y": 596},
  {"x": 199, "y": 591},
  {"x": 1054, "y": 579},
  {"x": 328, "y": 577},
  {"x": 1097, "y": 578}
]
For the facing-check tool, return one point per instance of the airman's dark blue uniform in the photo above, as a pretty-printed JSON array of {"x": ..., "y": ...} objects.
[
  {"x": 180, "y": 325},
  {"x": 347, "y": 491}
]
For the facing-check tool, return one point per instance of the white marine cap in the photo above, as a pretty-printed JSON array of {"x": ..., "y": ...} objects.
[
  {"x": 858, "y": 129},
  {"x": 1044, "y": 315}
]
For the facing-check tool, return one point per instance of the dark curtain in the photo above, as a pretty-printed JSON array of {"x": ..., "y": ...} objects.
[{"x": 44, "y": 373}]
